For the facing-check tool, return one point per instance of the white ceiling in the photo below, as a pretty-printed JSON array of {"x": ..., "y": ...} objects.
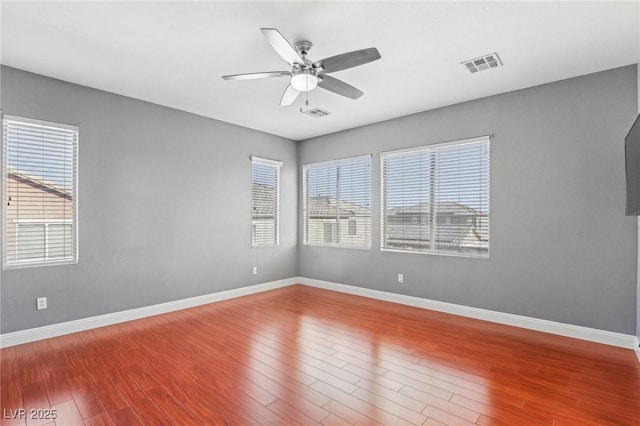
[{"x": 174, "y": 53}]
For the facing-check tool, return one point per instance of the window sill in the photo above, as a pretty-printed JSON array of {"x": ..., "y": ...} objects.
[
  {"x": 450, "y": 254},
  {"x": 21, "y": 265}
]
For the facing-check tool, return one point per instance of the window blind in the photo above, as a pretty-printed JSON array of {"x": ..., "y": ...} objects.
[
  {"x": 435, "y": 198},
  {"x": 40, "y": 192},
  {"x": 337, "y": 203},
  {"x": 265, "y": 189}
]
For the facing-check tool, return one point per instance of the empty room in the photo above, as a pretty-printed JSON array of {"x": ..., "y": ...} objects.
[{"x": 320, "y": 213}]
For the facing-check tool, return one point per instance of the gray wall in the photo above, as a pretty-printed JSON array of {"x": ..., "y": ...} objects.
[
  {"x": 562, "y": 248},
  {"x": 157, "y": 187},
  {"x": 638, "y": 264},
  {"x": 164, "y": 206}
]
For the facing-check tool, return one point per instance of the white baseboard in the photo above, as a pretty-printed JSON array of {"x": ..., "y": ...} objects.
[
  {"x": 568, "y": 330},
  {"x": 636, "y": 348},
  {"x": 53, "y": 330}
]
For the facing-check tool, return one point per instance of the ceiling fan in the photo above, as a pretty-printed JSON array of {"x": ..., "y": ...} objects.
[{"x": 306, "y": 75}]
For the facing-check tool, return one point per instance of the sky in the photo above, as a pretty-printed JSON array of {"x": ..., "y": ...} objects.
[
  {"x": 461, "y": 172},
  {"x": 41, "y": 153},
  {"x": 461, "y": 175}
]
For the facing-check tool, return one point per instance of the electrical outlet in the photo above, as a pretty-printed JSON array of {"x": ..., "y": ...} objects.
[
  {"x": 255, "y": 270},
  {"x": 41, "y": 303},
  {"x": 400, "y": 278}
]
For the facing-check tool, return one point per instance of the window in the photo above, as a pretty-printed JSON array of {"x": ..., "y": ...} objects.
[
  {"x": 336, "y": 195},
  {"x": 330, "y": 232},
  {"x": 265, "y": 204},
  {"x": 447, "y": 185},
  {"x": 40, "y": 191},
  {"x": 353, "y": 227}
]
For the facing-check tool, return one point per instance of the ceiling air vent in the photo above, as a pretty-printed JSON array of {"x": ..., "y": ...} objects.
[
  {"x": 483, "y": 63},
  {"x": 316, "y": 112}
]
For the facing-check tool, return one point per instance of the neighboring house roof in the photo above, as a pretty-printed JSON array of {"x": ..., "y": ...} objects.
[
  {"x": 38, "y": 183},
  {"x": 329, "y": 207},
  {"x": 262, "y": 204},
  {"x": 452, "y": 236},
  {"x": 442, "y": 207},
  {"x": 323, "y": 206}
]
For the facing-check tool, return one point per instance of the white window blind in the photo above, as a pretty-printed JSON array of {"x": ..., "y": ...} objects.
[
  {"x": 40, "y": 192},
  {"x": 265, "y": 195},
  {"x": 337, "y": 203},
  {"x": 435, "y": 198}
]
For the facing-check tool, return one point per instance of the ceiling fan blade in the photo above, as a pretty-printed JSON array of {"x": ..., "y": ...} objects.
[
  {"x": 338, "y": 86},
  {"x": 257, "y": 75},
  {"x": 348, "y": 60},
  {"x": 290, "y": 95},
  {"x": 282, "y": 46}
]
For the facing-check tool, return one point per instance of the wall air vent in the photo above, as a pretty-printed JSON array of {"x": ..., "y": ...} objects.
[
  {"x": 316, "y": 112},
  {"x": 482, "y": 63}
]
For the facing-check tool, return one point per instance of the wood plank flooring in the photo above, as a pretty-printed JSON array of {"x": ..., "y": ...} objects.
[{"x": 300, "y": 355}]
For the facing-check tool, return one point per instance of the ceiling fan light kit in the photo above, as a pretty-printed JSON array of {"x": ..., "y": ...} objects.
[
  {"x": 306, "y": 75},
  {"x": 304, "y": 80}
]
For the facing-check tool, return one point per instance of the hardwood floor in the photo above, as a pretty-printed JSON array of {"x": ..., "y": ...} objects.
[{"x": 300, "y": 355}]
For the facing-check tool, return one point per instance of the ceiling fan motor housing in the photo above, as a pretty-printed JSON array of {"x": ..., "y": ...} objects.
[{"x": 304, "y": 77}]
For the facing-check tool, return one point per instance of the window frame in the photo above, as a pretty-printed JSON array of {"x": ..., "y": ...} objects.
[
  {"x": 277, "y": 166},
  {"x": 4, "y": 170},
  {"x": 336, "y": 225},
  {"x": 432, "y": 148}
]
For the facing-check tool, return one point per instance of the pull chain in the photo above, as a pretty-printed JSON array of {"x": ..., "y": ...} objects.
[{"x": 306, "y": 94}]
